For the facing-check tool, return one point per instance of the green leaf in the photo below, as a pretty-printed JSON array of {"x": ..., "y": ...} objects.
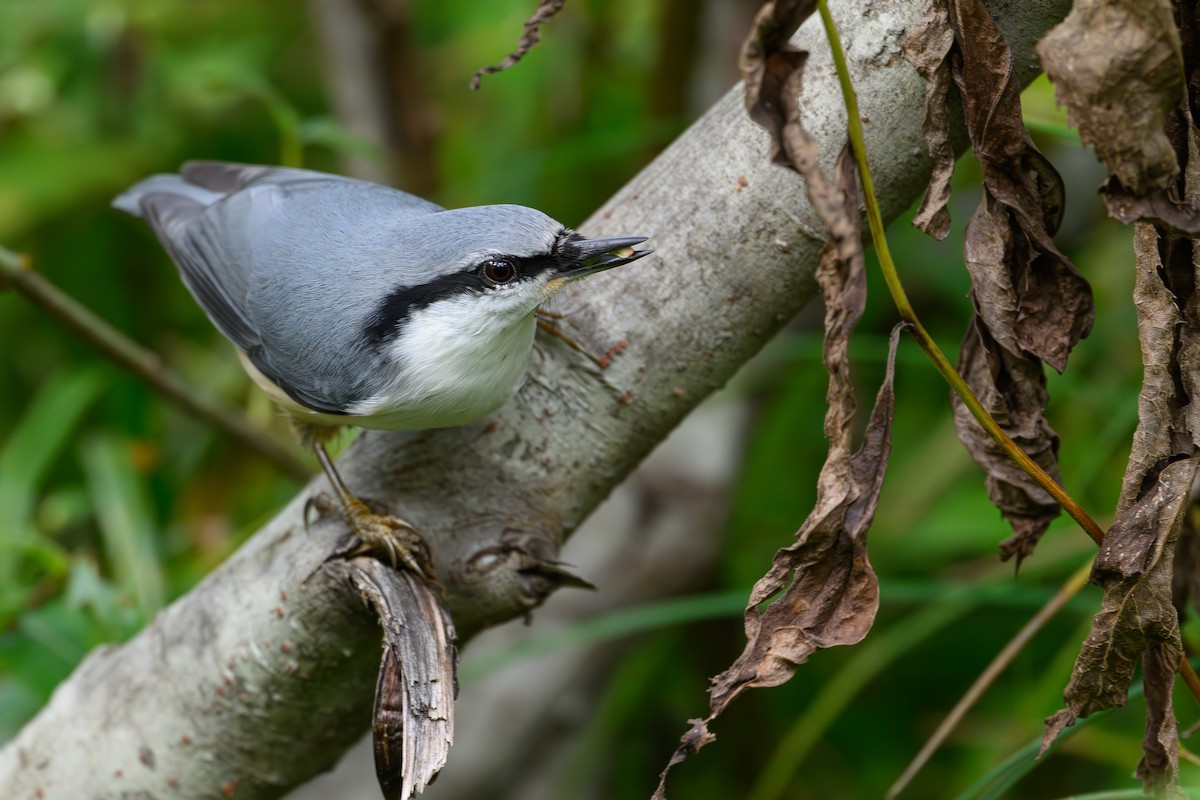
[
  {"x": 35, "y": 443},
  {"x": 125, "y": 520},
  {"x": 620, "y": 623}
]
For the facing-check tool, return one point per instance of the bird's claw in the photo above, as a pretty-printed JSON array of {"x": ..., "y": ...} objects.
[
  {"x": 392, "y": 537},
  {"x": 382, "y": 535},
  {"x": 316, "y": 506}
]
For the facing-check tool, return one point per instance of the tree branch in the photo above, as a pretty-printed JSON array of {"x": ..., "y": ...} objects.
[{"x": 259, "y": 677}]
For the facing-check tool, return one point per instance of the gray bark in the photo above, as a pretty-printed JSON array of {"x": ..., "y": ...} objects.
[
  {"x": 263, "y": 674},
  {"x": 657, "y": 536}
]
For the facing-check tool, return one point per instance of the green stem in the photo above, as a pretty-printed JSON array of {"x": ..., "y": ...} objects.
[
  {"x": 1073, "y": 586},
  {"x": 900, "y": 298}
]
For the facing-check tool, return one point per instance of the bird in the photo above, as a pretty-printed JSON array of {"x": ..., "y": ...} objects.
[{"x": 353, "y": 303}]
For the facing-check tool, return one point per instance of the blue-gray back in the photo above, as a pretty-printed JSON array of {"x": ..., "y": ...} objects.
[
  {"x": 305, "y": 271},
  {"x": 287, "y": 263}
]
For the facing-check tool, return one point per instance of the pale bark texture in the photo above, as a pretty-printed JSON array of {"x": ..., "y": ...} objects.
[
  {"x": 261, "y": 676},
  {"x": 657, "y": 536}
]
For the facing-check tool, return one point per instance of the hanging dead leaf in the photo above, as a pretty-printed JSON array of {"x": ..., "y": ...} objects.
[
  {"x": 1012, "y": 389},
  {"x": 1137, "y": 618},
  {"x": 1156, "y": 206},
  {"x": 767, "y": 61},
  {"x": 772, "y": 74},
  {"x": 1117, "y": 65},
  {"x": 1163, "y": 285},
  {"x": 821, "y": 590},
  {"x": 927, "y": 47},
  {"x": 1031, "y": 297},
  {"x": 1031, "y": 304},
  {"x": 1136, "y": 621},
  {"x": 1159, "y": 767}
]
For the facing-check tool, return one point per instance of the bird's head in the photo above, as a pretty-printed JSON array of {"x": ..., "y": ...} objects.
[{"x": 492, "y": 264}]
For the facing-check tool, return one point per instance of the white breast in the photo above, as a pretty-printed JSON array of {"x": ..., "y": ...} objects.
[{"x": 453, "y": 367}]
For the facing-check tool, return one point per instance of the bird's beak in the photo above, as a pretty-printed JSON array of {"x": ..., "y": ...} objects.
[{"x": 596, "y": 255}]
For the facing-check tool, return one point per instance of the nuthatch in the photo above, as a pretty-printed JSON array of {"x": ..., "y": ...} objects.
[{"x": 351, "y": 303}]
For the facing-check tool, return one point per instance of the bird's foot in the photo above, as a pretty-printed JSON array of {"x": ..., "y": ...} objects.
[
  {"x": 548, "y": 323},
  {"x": 381, "y": 535}
]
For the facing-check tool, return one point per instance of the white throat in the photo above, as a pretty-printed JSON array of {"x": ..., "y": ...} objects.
[{"x": 453, "y": 364}]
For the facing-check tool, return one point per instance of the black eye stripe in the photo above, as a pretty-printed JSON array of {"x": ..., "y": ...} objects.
[
  {"x": 402, "y": 302},
  {"x": 382, "y": 325}
]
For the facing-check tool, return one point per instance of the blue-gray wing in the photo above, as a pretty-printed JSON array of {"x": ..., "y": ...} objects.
[{"x": 286, "y": 263}]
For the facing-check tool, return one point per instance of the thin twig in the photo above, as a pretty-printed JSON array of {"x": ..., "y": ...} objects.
[
  {"x": 545, "y": 10},
  {"x": 892, "y": 278},
  {"x": 1005, "y": 657},
  {"x": 1189, "y": 677},
  {"x": 15, "y": 271}
]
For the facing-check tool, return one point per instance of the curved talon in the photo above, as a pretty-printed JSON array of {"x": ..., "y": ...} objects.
[{"x": 319, "y": 504}]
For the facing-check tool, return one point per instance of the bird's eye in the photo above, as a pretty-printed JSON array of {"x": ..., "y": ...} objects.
[{"x": 499, "y": 270}]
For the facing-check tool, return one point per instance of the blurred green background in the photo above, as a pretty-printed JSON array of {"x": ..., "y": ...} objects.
[{"x": 113, "y": 502}]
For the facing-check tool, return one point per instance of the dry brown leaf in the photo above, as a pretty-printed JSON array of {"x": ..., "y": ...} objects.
[
  {"x": 546, "y": 9},
  {"x": 1012, "y": 389},
  {"x": 820, "y": 591},
  {"x": 1159, "y": 767},
  {"x": 1163, "y": 285},
  {"x": 766, "y": 61},
  {"x": 833, "y": 595},
  {"x": 1031, "y": 304},
  {"x": 1136, "y": 621},
  {"x": 1137, "y": 618},
  {"x": 1156, "y": 206},
  {"x": 1117, "y": 65},
  {"x": 1030, "y": 295},
  {"x": 773, "y": 72},
  {"x": 927, "y": 46}
]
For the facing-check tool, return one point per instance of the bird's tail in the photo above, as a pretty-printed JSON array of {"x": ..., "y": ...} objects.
[{"x": 130, "y": 200}]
